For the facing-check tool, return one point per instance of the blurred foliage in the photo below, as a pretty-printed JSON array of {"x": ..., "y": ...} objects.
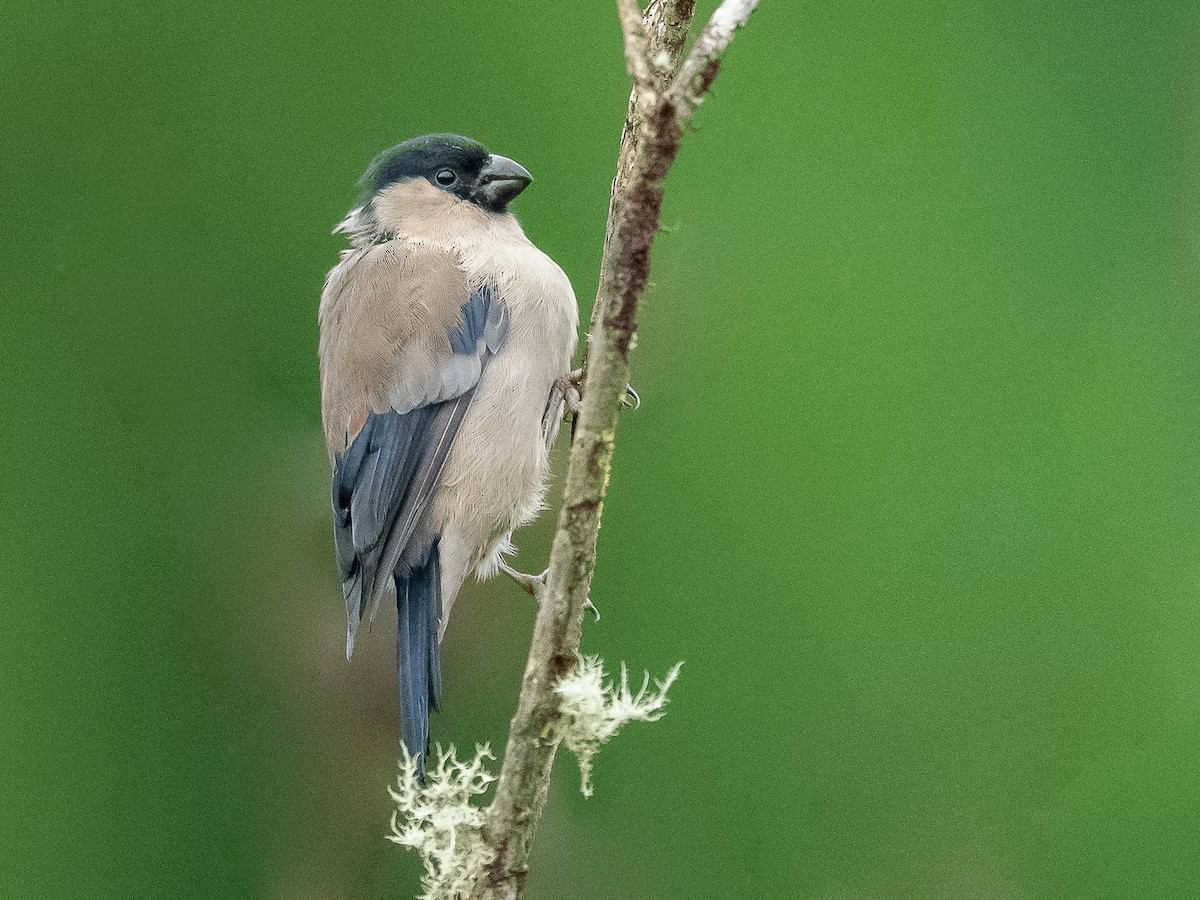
[{"x": 913, "y": 490}]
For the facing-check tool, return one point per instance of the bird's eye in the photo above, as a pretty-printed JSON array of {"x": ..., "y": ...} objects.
[{"x": 446, "y": 177}]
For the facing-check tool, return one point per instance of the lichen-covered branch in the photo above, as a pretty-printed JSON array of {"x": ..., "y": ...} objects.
[{"x": 664, "y": 96}]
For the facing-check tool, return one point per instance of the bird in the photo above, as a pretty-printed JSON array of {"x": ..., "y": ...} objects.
[{"x": 445, "y": 339}]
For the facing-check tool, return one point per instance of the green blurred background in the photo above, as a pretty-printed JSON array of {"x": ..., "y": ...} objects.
[{"x": 914, "y": 490}]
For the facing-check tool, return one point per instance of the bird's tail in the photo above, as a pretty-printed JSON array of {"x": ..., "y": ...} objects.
[{"x": 419, "y": 612}]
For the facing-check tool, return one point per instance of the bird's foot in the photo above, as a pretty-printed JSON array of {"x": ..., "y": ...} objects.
[
  {"x": 570, "y": 388},
  {"x": 531, "y": 584}
]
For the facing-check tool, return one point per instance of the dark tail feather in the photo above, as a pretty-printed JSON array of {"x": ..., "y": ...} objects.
[{"x": 419, "y": 610}]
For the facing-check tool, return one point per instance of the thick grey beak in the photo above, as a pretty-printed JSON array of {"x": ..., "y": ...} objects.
[{"x": 500, "y": 181}]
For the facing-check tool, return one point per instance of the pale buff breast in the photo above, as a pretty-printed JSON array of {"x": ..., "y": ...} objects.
[{"x": 495, "y": 479}]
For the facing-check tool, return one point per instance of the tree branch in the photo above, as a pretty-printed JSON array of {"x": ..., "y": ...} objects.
[
  {"x": 636, "y": 58},
  {"x": 697, "y": 72},
  {"x": 664, "y": 95}
]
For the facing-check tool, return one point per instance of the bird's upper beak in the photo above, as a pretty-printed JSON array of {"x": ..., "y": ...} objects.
[{"x": 501, "y": 180}]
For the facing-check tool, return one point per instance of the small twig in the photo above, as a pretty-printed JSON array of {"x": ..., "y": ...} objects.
[
  {"x": 670, "y": 22},
  {"x": 636, "y": 58},
  {"x": 698, "y": 70}
]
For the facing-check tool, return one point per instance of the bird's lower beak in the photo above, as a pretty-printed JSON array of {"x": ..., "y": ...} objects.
[{"x": 501, "y": 180}]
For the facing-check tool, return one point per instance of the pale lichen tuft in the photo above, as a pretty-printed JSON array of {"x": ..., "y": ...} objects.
[
  {"x": 437, "y": 820},
  {"x": 593, "y": 711}
]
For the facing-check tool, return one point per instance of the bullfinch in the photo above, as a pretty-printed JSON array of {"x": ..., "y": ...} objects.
[{"x": 443, "y": 335}]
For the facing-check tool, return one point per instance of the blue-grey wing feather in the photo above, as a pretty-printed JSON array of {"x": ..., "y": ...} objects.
[{"x": 385, "y": 481}]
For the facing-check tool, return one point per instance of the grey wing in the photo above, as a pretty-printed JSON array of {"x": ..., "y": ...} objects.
[{"x": 385, "y": 480}]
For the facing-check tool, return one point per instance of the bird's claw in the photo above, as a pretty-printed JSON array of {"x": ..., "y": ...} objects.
[
  {"x": 570, "y": 388},
  {"x": 530, "y": 584},
  {"x": 533, "y": 584}
]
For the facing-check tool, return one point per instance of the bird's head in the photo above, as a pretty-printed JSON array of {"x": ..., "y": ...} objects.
[
  {"x": 428, "y": 184},
  {"x": 457, "y": 165}
]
